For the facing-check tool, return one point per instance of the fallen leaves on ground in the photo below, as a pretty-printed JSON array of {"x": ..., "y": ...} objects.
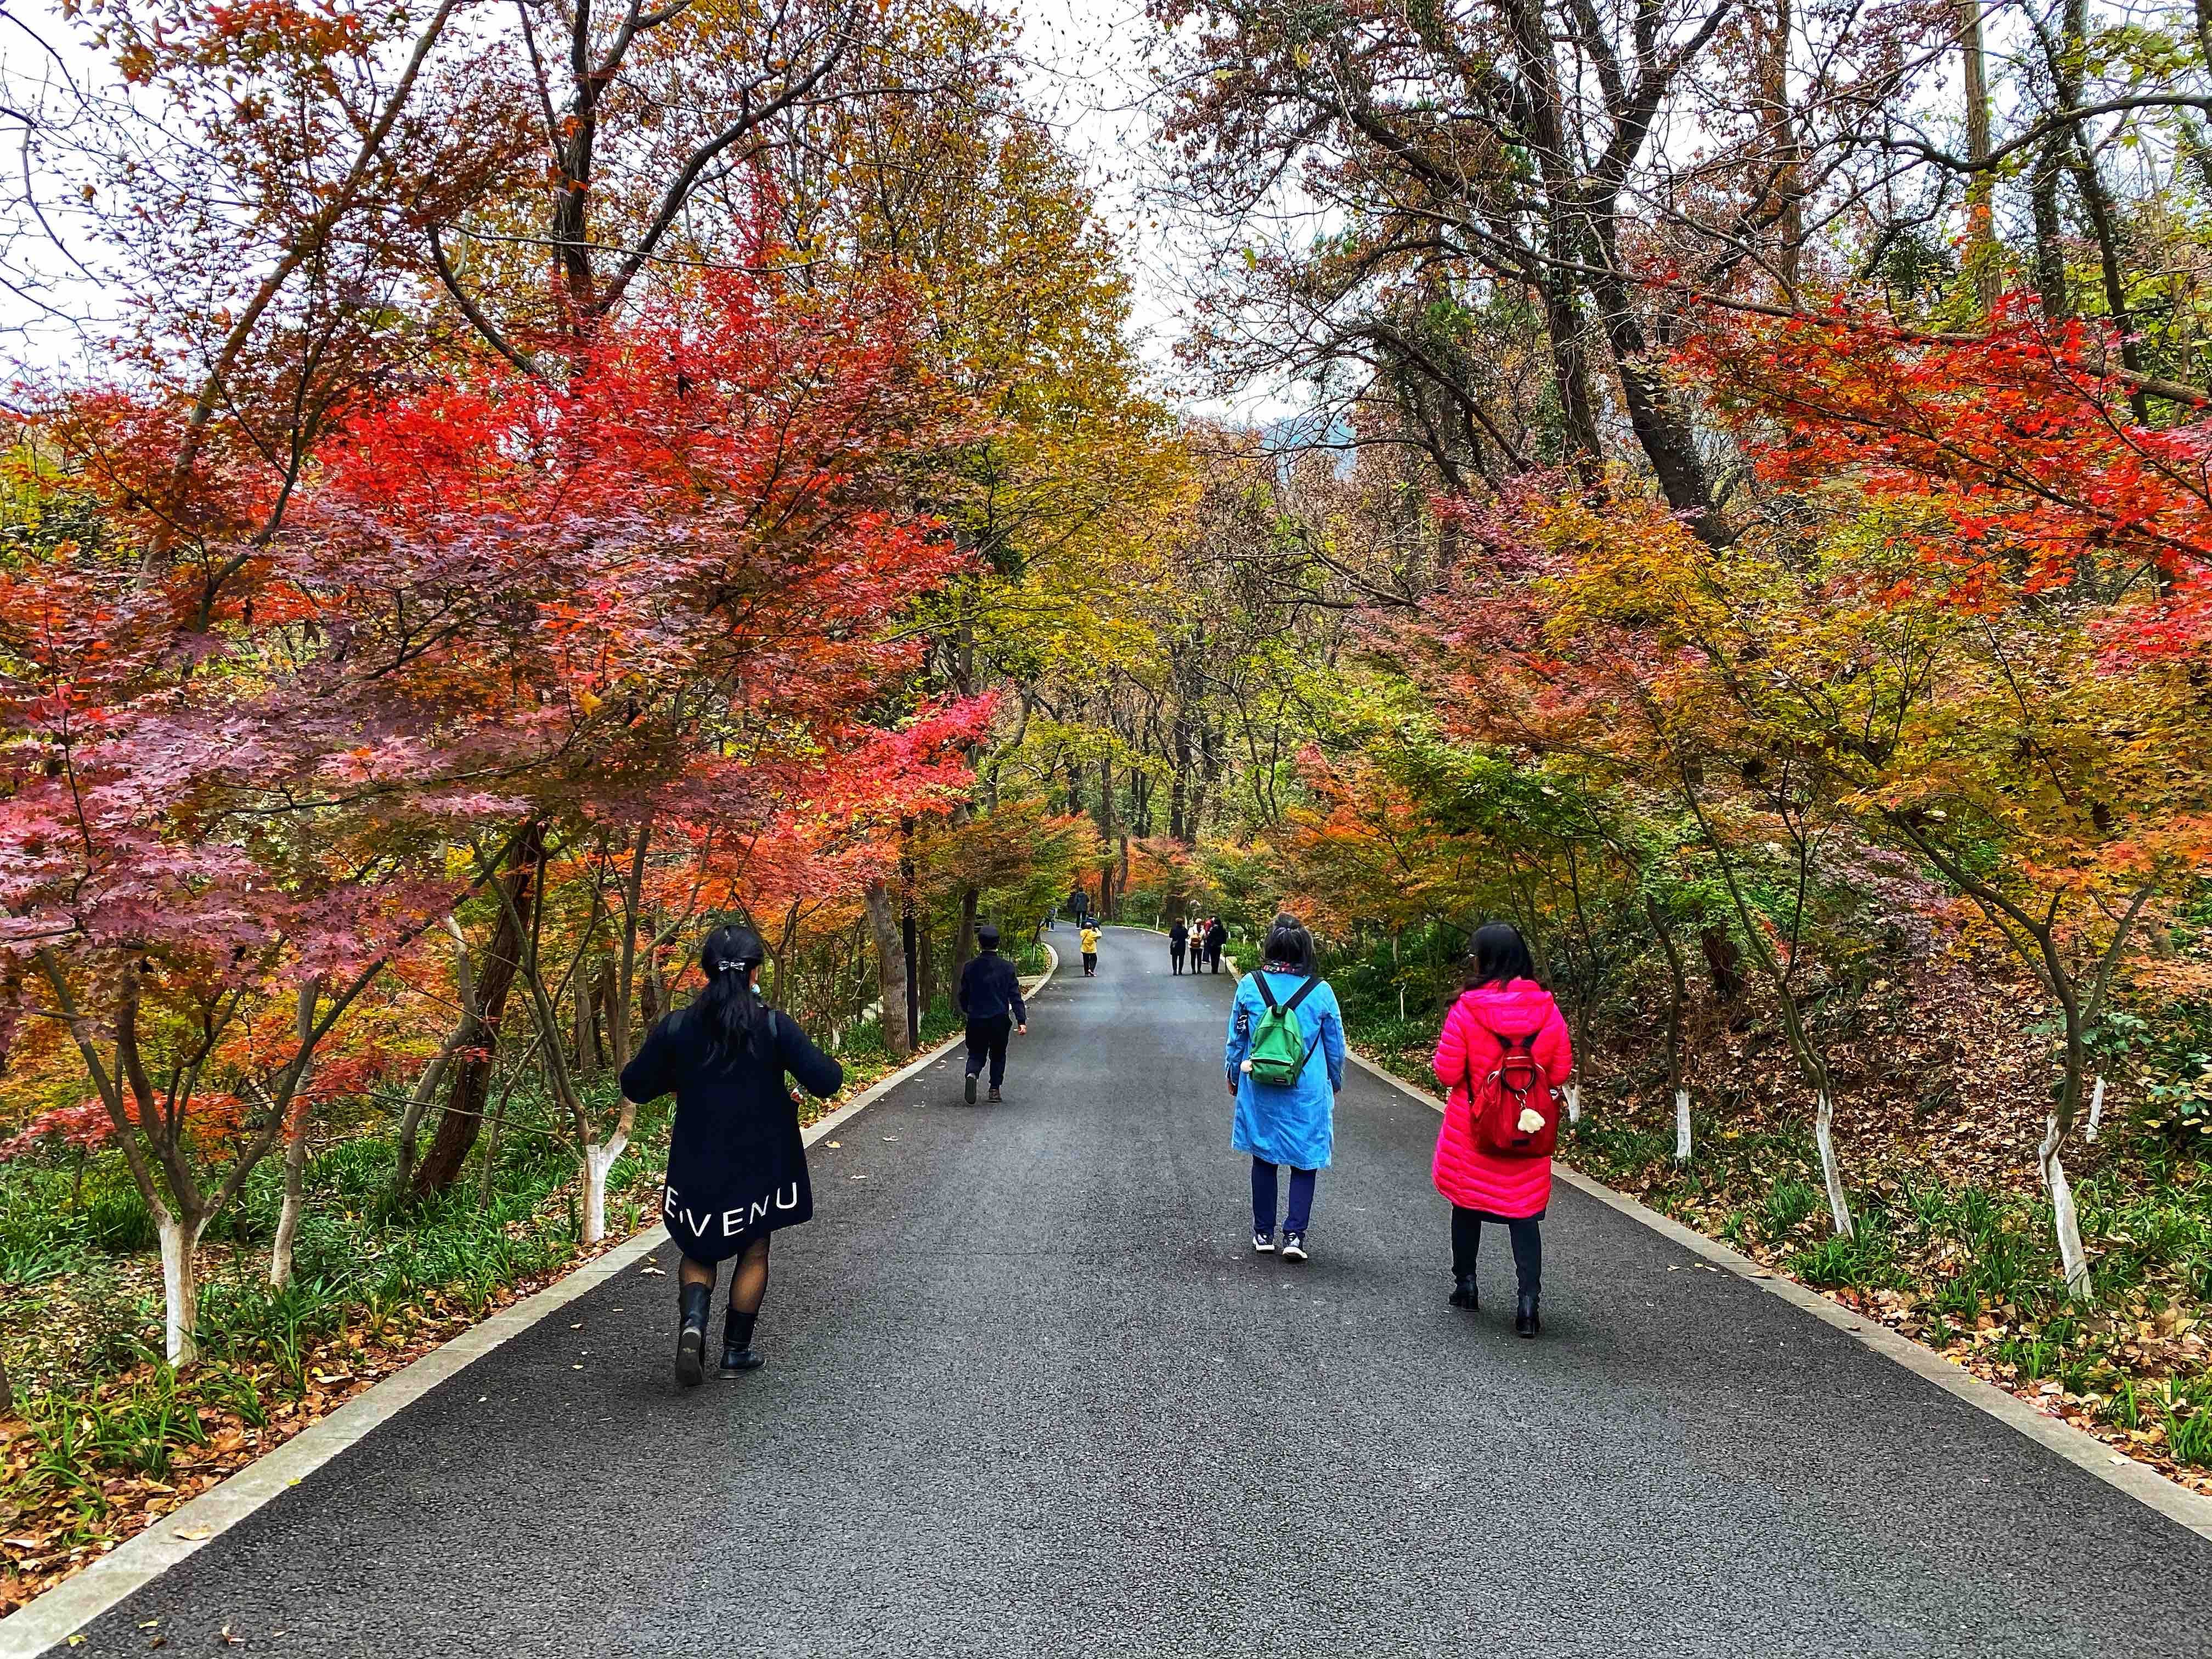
[{"x": 63, "y": 1508}]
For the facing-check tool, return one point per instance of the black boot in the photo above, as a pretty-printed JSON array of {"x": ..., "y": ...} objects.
[
  {"x": 737, "y": 1355},
  {"x": 1525, "y": 1322},
  {"x": 692, "y": 1334},
  {"x": 1463, "y": 1293}
]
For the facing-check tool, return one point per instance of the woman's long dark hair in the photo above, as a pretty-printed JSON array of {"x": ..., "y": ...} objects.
[
  {"x": 1289, "y": 946},
  {"x": 1498, "y": 955},
  {"x": 730, "y": 1010}
]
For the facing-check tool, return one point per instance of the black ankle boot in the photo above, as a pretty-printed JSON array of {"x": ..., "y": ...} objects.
[
  {"x": 1525, "y": 1322},
  {"x": 737, "y": 1355},
  {"x": 1463, "y": 1293},
  {"x": 692, "y": 1334}
]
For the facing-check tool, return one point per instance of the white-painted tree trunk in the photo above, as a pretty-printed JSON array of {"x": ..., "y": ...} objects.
[
  {"x": 180, "y": 1287},
  {"x": 1681, "y": 1126},
  {"x": 1572, "y": 1094},
  {"x": 598, "y": 1160},
  {"x": 2096, "y": 1109},
  {"x": 2066, "y": 1221},
  {"x": 1824, "y": 1132},
  {"x": 287, "y": 1217}
]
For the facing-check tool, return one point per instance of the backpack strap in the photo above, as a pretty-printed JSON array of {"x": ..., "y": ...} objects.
[
  {"x": 1267, "y": 993},
  {"x": 1303, "y": 992}
]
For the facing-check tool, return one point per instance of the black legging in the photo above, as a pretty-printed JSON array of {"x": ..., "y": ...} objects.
[
  {"x": 1528, "y": 1245},
  {"x": 748, "y": 1279}
]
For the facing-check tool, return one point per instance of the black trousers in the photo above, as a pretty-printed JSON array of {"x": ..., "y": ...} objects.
[
  {"x": 1213, "y": 957},
  {"x": 1175, "y": 956},
  {"x": 1528, "y": 1245},
  {"x": 988, "y": 1038}
]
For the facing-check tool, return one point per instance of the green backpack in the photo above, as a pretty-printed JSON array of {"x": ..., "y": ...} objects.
[{"x": 1279, "y": 1051}]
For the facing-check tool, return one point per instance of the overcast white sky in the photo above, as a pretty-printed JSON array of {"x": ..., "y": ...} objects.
[{"x": 1089, "y": 76}]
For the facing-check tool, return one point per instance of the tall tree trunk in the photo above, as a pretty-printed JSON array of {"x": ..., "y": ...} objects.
[
  {"x": 295, "y": 1192},
  {"x": 2096, "y": 202},
  {"x": 1178, "y": 784},
  {"x": 1662, "y": 429},
  {"x": 2050, "y": 231},
  {"x": 598, "y": 1158},
  {"x": 2065, "y": 1219},
  {"x": 295, "y": 1153},
  {"x": 1784, "y": 154},
  {"x": 909, "y": 946},
  {"x": 1981, "y": 186},
  {"x": 891, "y": 968},
  {"x": 587, "y": 1046},
  {"x": 619, "y": 1023},
  {"x": 1724, "y": 961},
  {"x": 1556, "y": 286},
  {"x": 1678, "y": 1006},
  {"x": 965, "y": 943},
  {"x": 180, "y": 1284},
  {"x": 426, "y": 1086},
  {"x": 463, "y": 1117},
  {"x": 603, "y": 1005}
]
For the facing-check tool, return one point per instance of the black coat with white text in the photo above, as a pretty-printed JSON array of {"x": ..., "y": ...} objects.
[{"x": 736, "y": 1166}]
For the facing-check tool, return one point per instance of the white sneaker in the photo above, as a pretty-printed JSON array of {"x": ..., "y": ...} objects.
[
  {"x": 1264, "y": 1243},
  {"x": 1294, "y": 1247}
]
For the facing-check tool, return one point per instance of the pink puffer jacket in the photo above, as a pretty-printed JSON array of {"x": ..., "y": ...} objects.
[{"x": 1469, "y": 1177}]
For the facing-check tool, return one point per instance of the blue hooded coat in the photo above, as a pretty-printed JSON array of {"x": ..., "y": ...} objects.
[{"x": 1295, "y": 1125}]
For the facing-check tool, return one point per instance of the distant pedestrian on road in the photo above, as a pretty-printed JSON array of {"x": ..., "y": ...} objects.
[
  {"x": 1079, "y": 906},
  {"x": 1503, "y": 1052},
  {"x": 1217, "y": 935},
  {"x": 1090, "y": 950},
  {"x": 1178, "y": 941},
  {"x": 991, "y": 996},
  {"x": 736, "y": 1166},
  {"x": 1286, "y": 1103}
]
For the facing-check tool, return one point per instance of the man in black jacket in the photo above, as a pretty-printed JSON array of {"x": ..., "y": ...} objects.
[{"x": 991, "y": 996}]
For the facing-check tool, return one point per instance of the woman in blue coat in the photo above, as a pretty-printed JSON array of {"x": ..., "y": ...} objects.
[{"x": 1295, "y": 1124}]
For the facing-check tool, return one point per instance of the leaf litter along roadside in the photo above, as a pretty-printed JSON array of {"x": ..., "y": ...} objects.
[
  {"x": 1952, "y": 1248},
  {"x": 85, "y": 1469}
]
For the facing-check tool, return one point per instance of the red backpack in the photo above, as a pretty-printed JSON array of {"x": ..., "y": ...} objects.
[{"x": 1514, "y": 1085}]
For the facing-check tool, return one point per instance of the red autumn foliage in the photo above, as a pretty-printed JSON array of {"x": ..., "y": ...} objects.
[
  {"x": 243, "y": 764},
  {"x": 2019, "y": 443}
]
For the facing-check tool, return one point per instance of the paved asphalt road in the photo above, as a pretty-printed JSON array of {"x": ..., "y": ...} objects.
[{"x": 1030, "y": 1392}]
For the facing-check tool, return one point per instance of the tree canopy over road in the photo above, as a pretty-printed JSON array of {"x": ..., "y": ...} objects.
[{"x": 524, "y": 483}]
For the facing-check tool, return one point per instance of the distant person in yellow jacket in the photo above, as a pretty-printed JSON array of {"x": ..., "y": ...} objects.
[{"x": 1089, "y": 951}]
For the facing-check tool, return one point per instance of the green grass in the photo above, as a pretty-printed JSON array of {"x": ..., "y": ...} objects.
[{"x": 1788, "y": 1203}]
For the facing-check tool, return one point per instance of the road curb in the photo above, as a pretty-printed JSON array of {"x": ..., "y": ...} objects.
[
  {"x": 49, "y": 1620},
  {"x": 2146, "y": 1485}
]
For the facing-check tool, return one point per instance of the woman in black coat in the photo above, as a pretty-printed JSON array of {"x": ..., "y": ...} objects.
[{"x": 736, "y": 1166}]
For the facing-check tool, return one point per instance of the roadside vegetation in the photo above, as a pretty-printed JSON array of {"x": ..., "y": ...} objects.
[{"x": 1744, "y": 518}]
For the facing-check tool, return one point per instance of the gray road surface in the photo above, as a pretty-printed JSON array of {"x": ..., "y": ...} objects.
[{"x": 1029, "y": 1392}]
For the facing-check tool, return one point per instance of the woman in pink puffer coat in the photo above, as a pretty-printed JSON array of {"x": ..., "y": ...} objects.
[{"x": 1502, "y": 1005}]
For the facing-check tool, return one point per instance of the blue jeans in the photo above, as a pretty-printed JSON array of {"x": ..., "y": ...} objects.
[{"x": 1263, "y": 1199}]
